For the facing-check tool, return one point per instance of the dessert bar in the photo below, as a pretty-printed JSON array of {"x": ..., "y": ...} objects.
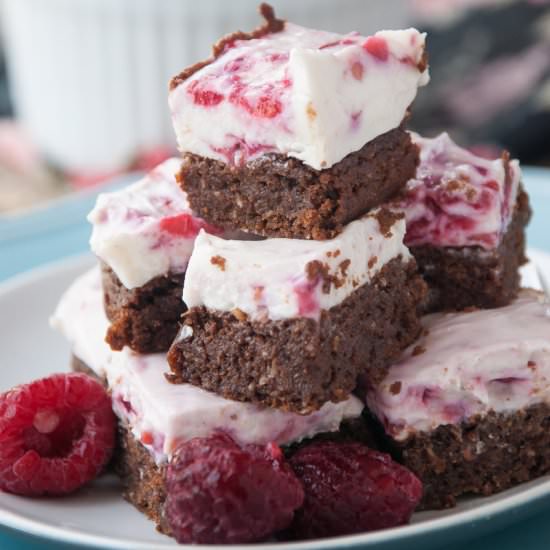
[
  {"x": 253, "y": 338},
  {"x": 292, "y": 323},
  {"x": 467, "y": 407},
  {"x": 466, "y": 217},
  {"x": 144, "y": 235},
  {"x": 294, "y": 132}
]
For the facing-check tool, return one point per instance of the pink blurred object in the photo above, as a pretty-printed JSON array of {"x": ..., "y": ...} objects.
[
  {"x": 17, "y": 153},
  {"x": 438, "y": 11},
  {"x": 148, "y": 159},
  {"x": 442, "y": 12},
  {"x": 497, "y": 85},
  {"x": 25, "y": 179},
  {"x": 144, "y": 161}
]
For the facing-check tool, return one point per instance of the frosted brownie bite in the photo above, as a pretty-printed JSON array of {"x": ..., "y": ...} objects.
[
  {"x": 467, "y": 407},
  {"x": 156, "y": 416},
  {"x": 292, "y": 323},
  {"x": 466, "y": 217},
  {"x": 144, "y": 235},
  {"x": 294, "y": 132}
]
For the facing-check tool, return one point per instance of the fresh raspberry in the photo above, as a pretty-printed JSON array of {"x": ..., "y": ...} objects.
[
  {"x": 56, "y": 434},
  {"x": 218, "y": 492},
  {"x": 350, "y": 488}
]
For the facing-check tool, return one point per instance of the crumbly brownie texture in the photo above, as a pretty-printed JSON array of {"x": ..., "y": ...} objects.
[
  {"x": 143, "y": 481},
  {"x": 278, "y": 196},
  {"x": 299, "y": 364},
  {"x": 145, "y": 318},
  {"x": 480, "y": 456},
  {"x": 472, "y": 276}
]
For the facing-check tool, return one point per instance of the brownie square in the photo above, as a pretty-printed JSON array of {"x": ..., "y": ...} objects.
[
  {"x": 299, "y": 364},
  {"x": 278, "y": 196}
]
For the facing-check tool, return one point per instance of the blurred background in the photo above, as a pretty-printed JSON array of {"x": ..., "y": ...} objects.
[{"x": 83, "y": 83}]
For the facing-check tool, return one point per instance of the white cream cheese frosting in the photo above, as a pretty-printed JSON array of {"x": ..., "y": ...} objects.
[
  {"x": 468, "y": 364},
  {"x": 458, "y": 198},
  {"x": 146, "y": 229},
  {"x": 313, "y": 95},
  {"x": 161, "y": 414},
  {"x": 289, "y": 278}
]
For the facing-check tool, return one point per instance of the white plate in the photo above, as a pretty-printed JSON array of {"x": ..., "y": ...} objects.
[{"x": 98, "y": 516}]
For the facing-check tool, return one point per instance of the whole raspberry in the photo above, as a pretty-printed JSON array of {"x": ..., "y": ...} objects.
[
  {"x": 218, "y": 492},
  {"x": 350, "y": 488},
  {"x": 56, "y": 434}
]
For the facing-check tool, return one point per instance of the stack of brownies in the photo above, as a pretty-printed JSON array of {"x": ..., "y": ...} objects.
[
  {"x": 283, "y": 264},
  {"x": 296, "y": 137}
]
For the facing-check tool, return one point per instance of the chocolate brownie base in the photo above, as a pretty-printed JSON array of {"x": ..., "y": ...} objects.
[
  {"x": 145, "y": 318},
  {"x": 278, "y": 196},
  {"x": 143, "y": 481},
  {"x": 300, "y": 364},
  {"x": 472, "y": 276},
  {"x": 481, "y": 456}
]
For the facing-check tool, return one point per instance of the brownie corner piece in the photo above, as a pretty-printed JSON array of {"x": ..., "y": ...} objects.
[
  {"x": 143, "y": 481},
  {"x": 464, "y": 277},
  {"x": 146, "y": 318},
  {"x": 481, "y": 456},
  {"x": 299, "y": 364},
  {"x": 279, "y": 196},
  {"x": 466, "y": 406}
]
